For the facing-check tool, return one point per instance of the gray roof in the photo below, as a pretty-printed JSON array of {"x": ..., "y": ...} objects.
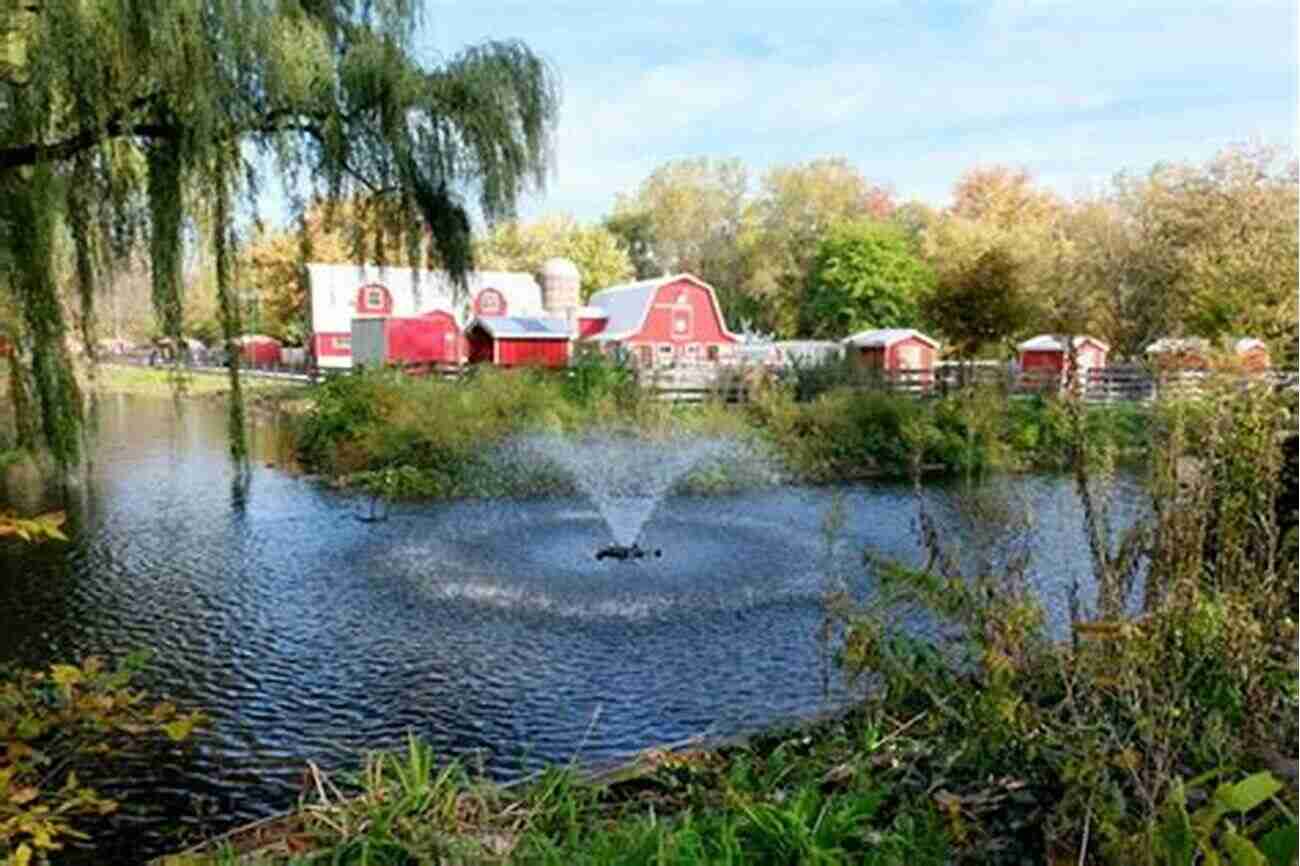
[
  {"x": 626, "y": 305},
  {"x": 519, "y": 328},
  {"x": 887, "y": 337}
]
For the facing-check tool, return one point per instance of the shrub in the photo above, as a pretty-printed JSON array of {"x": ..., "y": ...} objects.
[{"x": 55, "y": 722}]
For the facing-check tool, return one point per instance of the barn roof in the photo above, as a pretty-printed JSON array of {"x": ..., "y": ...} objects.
[
  {"x": 628, "y": 305},
  {"x": 886, "y": 337},
  {"x": 522, "y": 328},
  {"x": 1052, "y": 343},
  {"x": 415, "y": 292}
]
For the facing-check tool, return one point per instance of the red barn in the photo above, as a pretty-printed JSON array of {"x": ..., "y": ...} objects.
[
  {"x": 660, "y": 321},
  {"x": 1045, "y": 355},
  {"x": 518, "y": 342},
  {"x": 432, "y": 338},
  {"x": 894, "y": 349}
]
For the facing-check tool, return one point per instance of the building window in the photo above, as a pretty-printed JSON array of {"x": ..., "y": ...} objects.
[
  {"x": 713, "y": 353},
  {"x": 375, "y": 299},
  {"x": 665, "y": 355},
  {"x": 343, "y": 343},
  {"x": 693, "y": 351}
]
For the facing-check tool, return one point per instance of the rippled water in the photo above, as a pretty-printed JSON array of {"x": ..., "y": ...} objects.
[{"x": 487, "y": 628}]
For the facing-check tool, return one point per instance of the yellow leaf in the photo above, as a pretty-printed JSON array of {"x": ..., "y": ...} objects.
[
  {"x": 66, "y": 675},
  {"x": 179, "y": 729},
  {"x": 23, "y": 856}
]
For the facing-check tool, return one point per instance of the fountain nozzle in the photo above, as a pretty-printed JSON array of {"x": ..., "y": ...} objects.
[{"x": 626, "y": 552}]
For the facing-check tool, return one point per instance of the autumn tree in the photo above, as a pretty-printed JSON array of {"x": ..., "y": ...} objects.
[
  {"x": 865, "y": 274},
  {"x": 123, "y": 115},
  {"x": 1219, "y": 242},
  {"x": 1004, "y": 197},
  {"x": 996, "y": 207},
  {"x": 340, "y": 232},
  {"x": 601, "y": 258}
]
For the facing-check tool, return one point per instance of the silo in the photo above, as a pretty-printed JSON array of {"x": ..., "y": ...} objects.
[{"x": 561, "y": 284}]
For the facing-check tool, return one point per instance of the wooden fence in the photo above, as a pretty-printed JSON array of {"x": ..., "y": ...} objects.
[{"x": 1120, "y": 383}]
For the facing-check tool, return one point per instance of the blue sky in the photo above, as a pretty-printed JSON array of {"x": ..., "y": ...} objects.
[{"x": 912, "y": 93}]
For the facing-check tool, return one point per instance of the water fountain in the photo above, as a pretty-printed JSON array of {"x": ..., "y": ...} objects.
[{"x": 626, "y": 475}]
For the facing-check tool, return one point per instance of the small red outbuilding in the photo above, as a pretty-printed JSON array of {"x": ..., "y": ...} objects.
[
  {"x": 518, "y": 342},
  {"x": 259, "y": 350},
  {"x": 1246, "y": 354},
  {"x": 1046, "y": 354},
  {"x": 893, "y": 349}
]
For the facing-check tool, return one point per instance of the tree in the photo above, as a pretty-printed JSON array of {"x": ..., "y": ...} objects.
[
  {"x": 635, "y": 230},
  {"x": 865, "y": 273},
  {"x": 980, "y": 304},
  {"x": 327, "y": 232},
  {"x": 123, "y": 114},
  {"x": 999, "y": 208},
  {"x": 599, "y": 254},
  {"x": 796, "y": 205},
  {"x": 1004, "y": 197},
  {"x": 688, "y": 216}
]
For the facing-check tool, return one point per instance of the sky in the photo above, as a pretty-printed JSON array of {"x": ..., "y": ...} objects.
[{"x": 912, "y": 93}]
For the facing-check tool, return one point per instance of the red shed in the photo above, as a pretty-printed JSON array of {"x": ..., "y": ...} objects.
[
  {"x": 1046, "y": 354},
  {"x": 432, "y": 338},
  {"x": 1197, "y": 353},
  {"x": 894, "y": 349},
  {"x": 259, "y": 350},
  {"x": 663, "y": 320},
  {"x": 517, "y": 342}
]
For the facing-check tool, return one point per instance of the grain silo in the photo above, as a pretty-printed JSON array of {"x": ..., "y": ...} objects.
[{"x": 561, "y": 284}]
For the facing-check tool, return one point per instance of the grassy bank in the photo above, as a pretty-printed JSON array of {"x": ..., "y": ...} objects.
[
  {"x": 430, "y": 438},
  {"x": 164, "y": 382}
]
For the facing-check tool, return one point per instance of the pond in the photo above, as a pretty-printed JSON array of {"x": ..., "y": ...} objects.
[{"x": 485, "y": 627}]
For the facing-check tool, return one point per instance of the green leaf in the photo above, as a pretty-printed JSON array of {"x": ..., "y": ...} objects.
[
  {"x": 29, "y": 728},
  {"x": 1240, "y": 850},
  {"x": 1176, "y": 836},
  {"x": 1281, "y": 845},
  {"x": 1249, "y": 792},
  {"x": 179, "y": 729}
]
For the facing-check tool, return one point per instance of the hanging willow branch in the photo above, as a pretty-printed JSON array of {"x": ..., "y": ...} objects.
[
  {"x": 83, "y": 240},
  {"x": 165, "y": 171},
  {"x": 29, "y": 223},
  {"x": 227, "y": 303}
]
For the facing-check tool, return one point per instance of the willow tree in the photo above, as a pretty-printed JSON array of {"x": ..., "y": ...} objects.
[{"x": 122, "y": 119}]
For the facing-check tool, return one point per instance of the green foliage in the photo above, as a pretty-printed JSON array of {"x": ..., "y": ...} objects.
[
  {"x": 594, "y": 376},
  {"x": 55, "y": 723},
  {"x": 864, "y": 274},
  {"x": 1181, "y": 836},
  {"x": 985, "y": 303},
  {"x": 1102, "y": 728}
]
